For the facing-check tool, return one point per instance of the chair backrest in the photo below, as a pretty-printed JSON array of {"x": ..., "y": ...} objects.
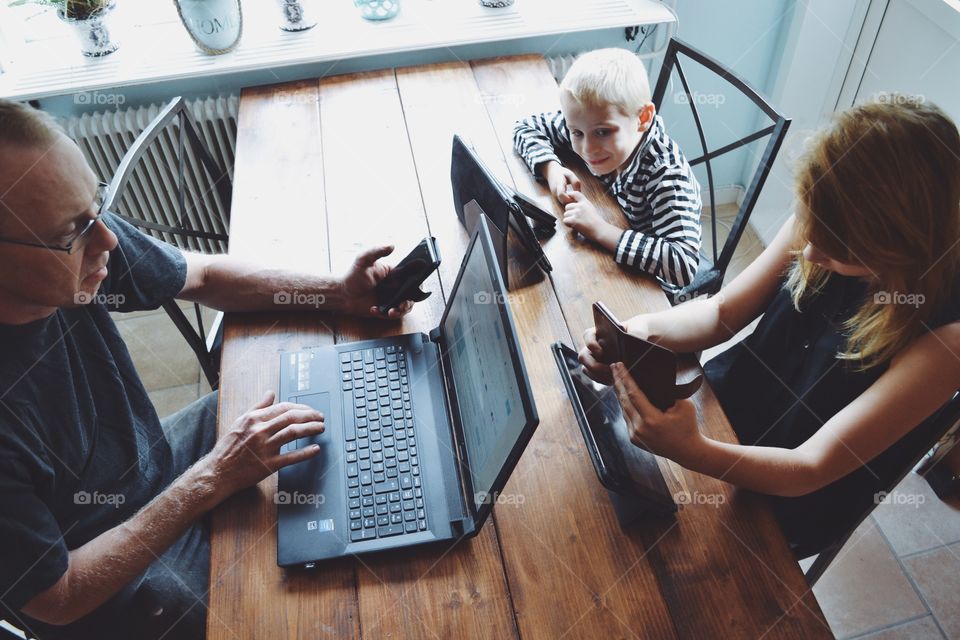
[
  {"x": 6, "y": 634},
  {"x": 195, "y": 178},
  {"x": 932, "y": 430},
  {"x": 677, "y": 53},
  {"x": 171, "y": 138}
]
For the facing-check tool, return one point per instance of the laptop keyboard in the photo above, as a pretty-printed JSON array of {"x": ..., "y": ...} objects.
[{"x": 385, "y": 496}]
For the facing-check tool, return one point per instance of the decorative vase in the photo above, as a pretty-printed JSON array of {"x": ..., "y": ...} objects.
[
  {"x": 214, "y": 25},
  {"x": 93, "y": 32},
  {"x": 298, "y": 15},
  {"x": 377, "y": 10},
  {"x": 496, "y": 4}
]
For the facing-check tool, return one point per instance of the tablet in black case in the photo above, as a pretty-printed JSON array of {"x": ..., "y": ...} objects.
[{"x": 629, "y": 472}]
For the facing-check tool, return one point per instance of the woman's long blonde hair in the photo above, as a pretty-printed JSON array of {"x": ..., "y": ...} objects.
[{"x": 881, "y": 187}]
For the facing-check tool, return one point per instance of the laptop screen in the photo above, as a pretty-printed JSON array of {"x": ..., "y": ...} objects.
[{"x": 480, "y": 343}]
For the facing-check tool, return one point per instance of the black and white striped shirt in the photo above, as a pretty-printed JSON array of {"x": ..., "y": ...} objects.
[{"x": 657, "y": 192}]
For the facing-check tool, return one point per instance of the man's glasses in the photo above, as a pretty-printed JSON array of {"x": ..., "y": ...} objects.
[{"x": 79, "y": 237}]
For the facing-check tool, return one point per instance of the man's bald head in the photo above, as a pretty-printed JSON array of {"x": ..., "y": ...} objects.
[
  {"x": 25, "y": 134},
  {"x": 23, "y": 126},
  {"x": 47, "y": 191}
]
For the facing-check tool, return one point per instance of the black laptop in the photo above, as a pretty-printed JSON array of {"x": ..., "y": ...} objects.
[
  {"x": 422, "y": 431},
  {"x": 475, "y": 189}
]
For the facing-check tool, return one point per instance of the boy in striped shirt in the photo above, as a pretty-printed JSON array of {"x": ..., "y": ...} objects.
[{"x": 607, "y": 118}]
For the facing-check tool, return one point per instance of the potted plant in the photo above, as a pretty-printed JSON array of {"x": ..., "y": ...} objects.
[{"x": 89, "y": 19}]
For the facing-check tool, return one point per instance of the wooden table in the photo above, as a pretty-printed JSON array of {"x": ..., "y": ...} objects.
[{"x": 325, "y": 168}]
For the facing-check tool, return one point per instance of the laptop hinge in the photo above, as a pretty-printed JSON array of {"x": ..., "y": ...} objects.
[{"x": 459, "y": 449}]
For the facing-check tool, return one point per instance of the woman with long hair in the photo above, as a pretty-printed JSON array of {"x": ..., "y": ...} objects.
[{"x": 859, "y": 345}]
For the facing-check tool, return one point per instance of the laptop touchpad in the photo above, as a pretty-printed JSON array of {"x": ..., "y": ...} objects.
[{"x": 320, "y": 402}]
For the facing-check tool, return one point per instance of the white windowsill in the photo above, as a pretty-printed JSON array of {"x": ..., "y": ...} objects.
[{"x": 157, "y": 48}]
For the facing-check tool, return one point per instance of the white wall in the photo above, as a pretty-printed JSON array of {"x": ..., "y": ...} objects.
[{"x": 817, "y": 52}]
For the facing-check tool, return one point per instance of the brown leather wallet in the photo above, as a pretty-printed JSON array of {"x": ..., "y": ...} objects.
[{"x": 654, "y": 368}]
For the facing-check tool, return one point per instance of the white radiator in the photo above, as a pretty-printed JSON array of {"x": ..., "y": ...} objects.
[{"x": 104, "y": 138}]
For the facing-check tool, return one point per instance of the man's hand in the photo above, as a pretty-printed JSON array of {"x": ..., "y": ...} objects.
[
  {"x": 359, "y": 284},
  {"x": 250, "y": 451},
  {"x": 561, "y": 181}
]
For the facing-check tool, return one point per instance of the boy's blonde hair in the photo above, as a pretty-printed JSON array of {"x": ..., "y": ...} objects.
[
  {"x": 608, "y": 76},
  {"x": 881, "y": 186}
]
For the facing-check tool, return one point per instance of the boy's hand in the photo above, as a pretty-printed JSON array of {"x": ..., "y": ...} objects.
[
  {"x": 561, "y": 180},
  {"x": 581, "y": 216}
]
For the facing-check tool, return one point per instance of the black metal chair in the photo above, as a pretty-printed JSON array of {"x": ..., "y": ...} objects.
[
  {"x": 193, "y": 191},
  {"x": 6, "y": 634},
  {"x": 710, "y": 274},
  {"x": 929, "y": 433}
]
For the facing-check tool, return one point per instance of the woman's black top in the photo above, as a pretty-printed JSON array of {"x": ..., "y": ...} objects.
[{"x": 783, "y": 382}]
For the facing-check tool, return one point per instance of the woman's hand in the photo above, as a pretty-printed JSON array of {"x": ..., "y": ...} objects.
[
  {"x": 672, "y": 433},
  {"x": 595, "y": 362},
  {"x": 592, "y": 358}
]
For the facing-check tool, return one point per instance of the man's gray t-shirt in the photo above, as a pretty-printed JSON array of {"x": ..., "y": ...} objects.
[{"x": 81, "y": 446}]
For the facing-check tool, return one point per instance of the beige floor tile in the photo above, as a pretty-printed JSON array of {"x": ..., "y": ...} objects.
[
  {"x": 937, "y": 576},
  {"x": 865, "y": 588},
  {"x": 161, "y": 355},
  {"x": 914, "y": 519},
  {"x": 921, "y": 629},
  {"x": 171, "y": 400}
]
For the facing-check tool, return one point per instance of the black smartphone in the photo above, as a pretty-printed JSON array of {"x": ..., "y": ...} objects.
[{"x": 404, "y": 280}]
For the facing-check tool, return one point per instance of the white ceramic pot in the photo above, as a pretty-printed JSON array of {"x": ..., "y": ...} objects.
[{"x": 93, "y": 32}]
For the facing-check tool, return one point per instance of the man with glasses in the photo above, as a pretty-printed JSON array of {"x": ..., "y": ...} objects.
[{"x": 101, "y": 505}]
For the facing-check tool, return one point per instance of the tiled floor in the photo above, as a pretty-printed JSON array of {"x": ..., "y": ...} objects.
[
  {"x": 898, "y": 577},
  {"x": 167, "y": 366}
]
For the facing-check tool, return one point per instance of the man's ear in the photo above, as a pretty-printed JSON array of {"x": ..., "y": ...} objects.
[{"x": 645, "y": 117}]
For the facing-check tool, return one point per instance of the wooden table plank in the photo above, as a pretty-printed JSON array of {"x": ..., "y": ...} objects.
[
  {"x": 554, "y": 524},
  {"x": 275, "y": 184},
  {"x": 725, "y": 569},
  {"x": 449, "y": 590}
]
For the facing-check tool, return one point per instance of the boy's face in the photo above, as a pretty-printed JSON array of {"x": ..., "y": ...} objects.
[{"x": 604, "y": 136}]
